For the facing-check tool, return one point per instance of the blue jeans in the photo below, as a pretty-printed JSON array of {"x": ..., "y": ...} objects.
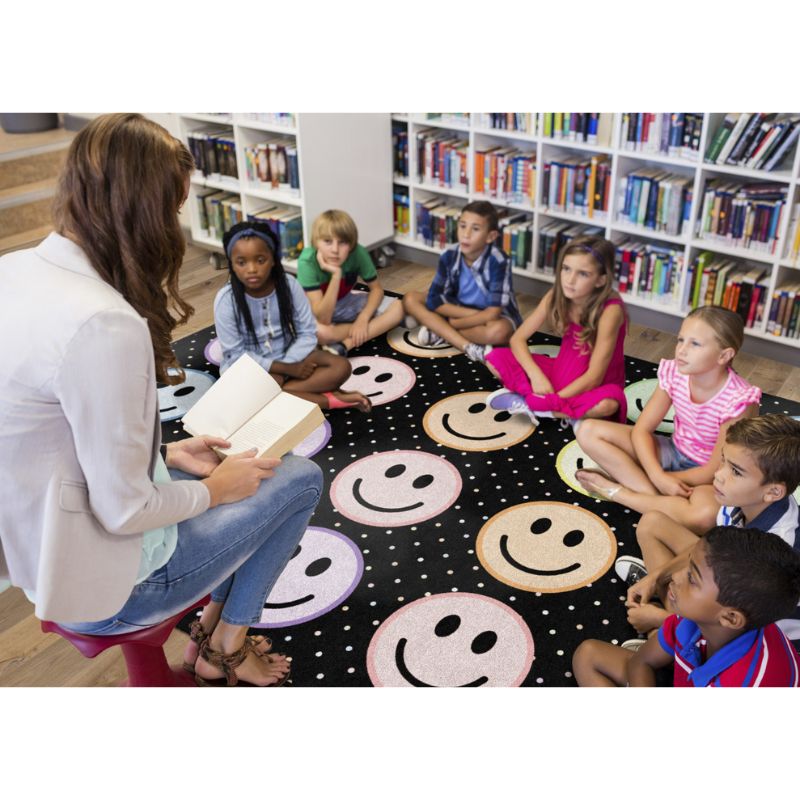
[
  {"x": 234, "y": 551},
  {"x": 672, "y": 460}
]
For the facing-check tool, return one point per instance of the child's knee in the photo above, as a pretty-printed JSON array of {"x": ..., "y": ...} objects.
[
  {"x": 587, "y": 432},
  {"x": 648, "y": 524},
  {"x": 412, "y": 300},
  {"x": 324, "y": 333}
]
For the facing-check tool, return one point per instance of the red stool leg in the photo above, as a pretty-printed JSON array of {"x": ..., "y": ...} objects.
[{"x": 147, "y": 666}]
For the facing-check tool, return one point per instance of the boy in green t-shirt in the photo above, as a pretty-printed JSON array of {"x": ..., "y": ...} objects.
[{"x": 328, "y": 270}]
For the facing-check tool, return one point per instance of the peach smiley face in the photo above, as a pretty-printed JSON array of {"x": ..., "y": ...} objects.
[
  {"x": 456, "y": 639},
  {"x": 381, "y": 379},
  {"x": 400, "y": 487},
  {"x": 405, "y": 342},
  {"x": 467, "y": 422},
  {"x": 546, "y": 547}
]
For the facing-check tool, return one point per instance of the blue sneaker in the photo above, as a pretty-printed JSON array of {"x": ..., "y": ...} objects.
[{"x": 504, "y": 400}]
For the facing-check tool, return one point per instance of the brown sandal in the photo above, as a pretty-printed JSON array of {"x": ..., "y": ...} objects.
[
  {"x": 227, "y": 662},
  {"x": 198, "y": 635}
]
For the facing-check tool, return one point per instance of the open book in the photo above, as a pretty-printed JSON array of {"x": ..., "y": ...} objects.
[{"x": 248, "y": 408}]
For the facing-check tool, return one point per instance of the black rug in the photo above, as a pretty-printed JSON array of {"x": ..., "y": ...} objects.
[{"x": 447, "y": 550}]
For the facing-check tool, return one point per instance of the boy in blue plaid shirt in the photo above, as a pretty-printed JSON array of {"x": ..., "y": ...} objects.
[{"x": 471, "y": 302}]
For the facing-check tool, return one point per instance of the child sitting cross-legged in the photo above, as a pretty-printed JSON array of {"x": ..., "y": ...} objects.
[
  {"x": 263, "y": 312},
  {"x": 759, "y": 471},
  {"x": 736, "y": 584},
  {"x": 328, "y": 271},
  {"x": 470, "y": 303}
]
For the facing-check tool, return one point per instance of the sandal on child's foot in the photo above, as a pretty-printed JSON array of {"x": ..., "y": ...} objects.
[
  {"x": 261, "y": 645},
  {"x": 227, "y": 663}
]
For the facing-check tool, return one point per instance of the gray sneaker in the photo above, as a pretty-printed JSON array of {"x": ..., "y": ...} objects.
[
  {"x": 427, "y": 338},
  {"x": 475, "y": 352},
  {"x": 630, "y": 569}
]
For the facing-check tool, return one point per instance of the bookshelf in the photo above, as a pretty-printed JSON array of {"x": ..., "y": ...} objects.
[
  {"x": 332, "y": 161},
  {"x": 683, "y": 166}
]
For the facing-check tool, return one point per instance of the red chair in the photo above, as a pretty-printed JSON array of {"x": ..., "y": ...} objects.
[{"x": 143, "y": 650}]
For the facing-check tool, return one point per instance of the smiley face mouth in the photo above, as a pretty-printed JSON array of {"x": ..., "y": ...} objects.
[
  {"x": 530, "y": 570},
  {"x": 407, "y": 340},
  {"x": 164, "y": 410},
  {"x": 290, "y": 603},
  {"x": 359, "y": 497},
  {"x": 640, "y": 406},
  {"x": 450, "y": 430},
  {"x": 400, "y": 661}
]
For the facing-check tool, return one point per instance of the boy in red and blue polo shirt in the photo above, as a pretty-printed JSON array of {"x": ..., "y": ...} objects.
[{"x": 737, "y": 583}]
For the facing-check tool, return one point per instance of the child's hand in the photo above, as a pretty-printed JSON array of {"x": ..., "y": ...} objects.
[
  {"x": 302, "y": 369},
  {"x": 641, "y": 591},
  {"x": 542, "y": 386},
  {"x": 646, "y": 617},
  {"x": 333, "y": 269},
  {"x": 358, "y": 332},
  {"x": 671, "y": 486}
]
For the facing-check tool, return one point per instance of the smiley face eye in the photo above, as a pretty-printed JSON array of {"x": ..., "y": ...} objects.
[
  {"x": 447, "y": 625},
  {"x": 502, "y": 416},
  {"x": 476, "y": 408},
  {"x": 383, "y": 377},
  {"x": 317, "y": 567},
  {"x": 574, "y": 538},
  {"x": 296, "y": 552},
  {"x": 361, "y": 370},
  {"x": 579, "y": 463},
  {"x": 422, "y": 481},
  {"x": 395, "y": 470},
  {"x": 484, "y": 642},
  {"x": 541, "y": 525},
  {"x": 184, "y": 391}
]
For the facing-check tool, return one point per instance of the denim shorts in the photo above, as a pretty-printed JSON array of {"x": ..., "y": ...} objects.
[
  {"x": 347, "y": 308},
  {"x": 672, "y": 460}
]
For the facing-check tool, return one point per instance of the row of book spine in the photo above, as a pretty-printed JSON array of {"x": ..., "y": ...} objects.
[
  {"x": 577, "y": 185},
  {"x": 553, "y": 236},
  {"x": 656, "y": 199},
  {"x": 505, "y": 173},
  {"x": 516, "y": 239},
  {"x": 214, "y": 152},
  {"x": 675, "y": 134},
  {"x": 650, "y": 271},
  {"x": 591, "y": 128},
  {"x": 402, "y": 213},
  {"x": 274, "y": 163},
  {"x": 400, "y": 152},
  {"x": 784, "y": 311},
  {"x": 442, "y": 159},
  {"x": 716, "y": 280},
  {"x": 456, "y": 118},
  {"x": 286, "y": 224},
  {"x": 521, "y": 123},
  {"x": 793, "y": 238},
  {"x": 755, "y": 141},
  {"x": 274, "y": 118},
  {"x": 742, "y": 215},
  {"x": 436, "y": 222},
  {"x": 217, "y": 211}
]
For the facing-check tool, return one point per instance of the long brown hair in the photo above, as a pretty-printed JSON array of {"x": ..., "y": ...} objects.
[
  {"x": 118, "y": 198},
  {"x": 601, "y": 251}
]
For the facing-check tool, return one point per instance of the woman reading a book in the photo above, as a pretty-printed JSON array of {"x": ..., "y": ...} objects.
[{"x": 106, "y": 531}]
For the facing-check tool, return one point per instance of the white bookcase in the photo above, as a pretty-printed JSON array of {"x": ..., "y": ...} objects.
[
  {"x": 623, "y": 160},
  {"x": 344, "y": 162}
]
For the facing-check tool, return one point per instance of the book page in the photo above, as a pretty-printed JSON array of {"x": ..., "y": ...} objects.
[
  {"x": 239, "y": 394},
  {"x": 269, "y": 424}
]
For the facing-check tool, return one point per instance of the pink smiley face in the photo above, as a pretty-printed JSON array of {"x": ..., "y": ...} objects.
[
  {"x": 324, "y": 570},
  {"x": 456, "y": 639},
  {"x": 401, "y": 487},
  {"x": 381, "y": 379}
]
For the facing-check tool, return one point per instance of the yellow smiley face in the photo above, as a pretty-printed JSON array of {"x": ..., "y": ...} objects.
[
  {"x": 546, "y": 547},
  {"x": 467, "y": 422}
]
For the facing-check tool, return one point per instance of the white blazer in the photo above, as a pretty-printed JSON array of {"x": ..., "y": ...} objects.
[{"x": 79, "y": 435}]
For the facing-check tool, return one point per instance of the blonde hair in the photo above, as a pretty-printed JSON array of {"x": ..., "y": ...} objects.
[
  {"x": 118, "y": 197},
  {"x": 727, "y": 325},
  {"x": 601, "y": 251},
  {"x": 334, "y": 222}
]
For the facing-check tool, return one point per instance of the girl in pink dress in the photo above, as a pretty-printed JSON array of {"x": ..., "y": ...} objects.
[{"x": 587, "y": 377}]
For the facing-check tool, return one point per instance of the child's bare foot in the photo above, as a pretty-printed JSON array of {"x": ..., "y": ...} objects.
[
  {"x": 597, "y": 483},
  {"x": 360, "y": 401}
]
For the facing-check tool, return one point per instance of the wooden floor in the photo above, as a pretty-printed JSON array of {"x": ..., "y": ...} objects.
[{"x": 30, "y": 658}]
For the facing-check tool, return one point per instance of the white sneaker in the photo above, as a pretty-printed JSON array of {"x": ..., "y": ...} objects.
[
  {"x": 427, "y": 338},
  {"x": 504, "y": 400},
  {"x": 475, "y": 352},
  {"x": 630, "y": 569}
]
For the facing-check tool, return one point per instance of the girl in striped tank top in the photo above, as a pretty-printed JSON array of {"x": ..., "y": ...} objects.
[{"x": 707, "y": 396}]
